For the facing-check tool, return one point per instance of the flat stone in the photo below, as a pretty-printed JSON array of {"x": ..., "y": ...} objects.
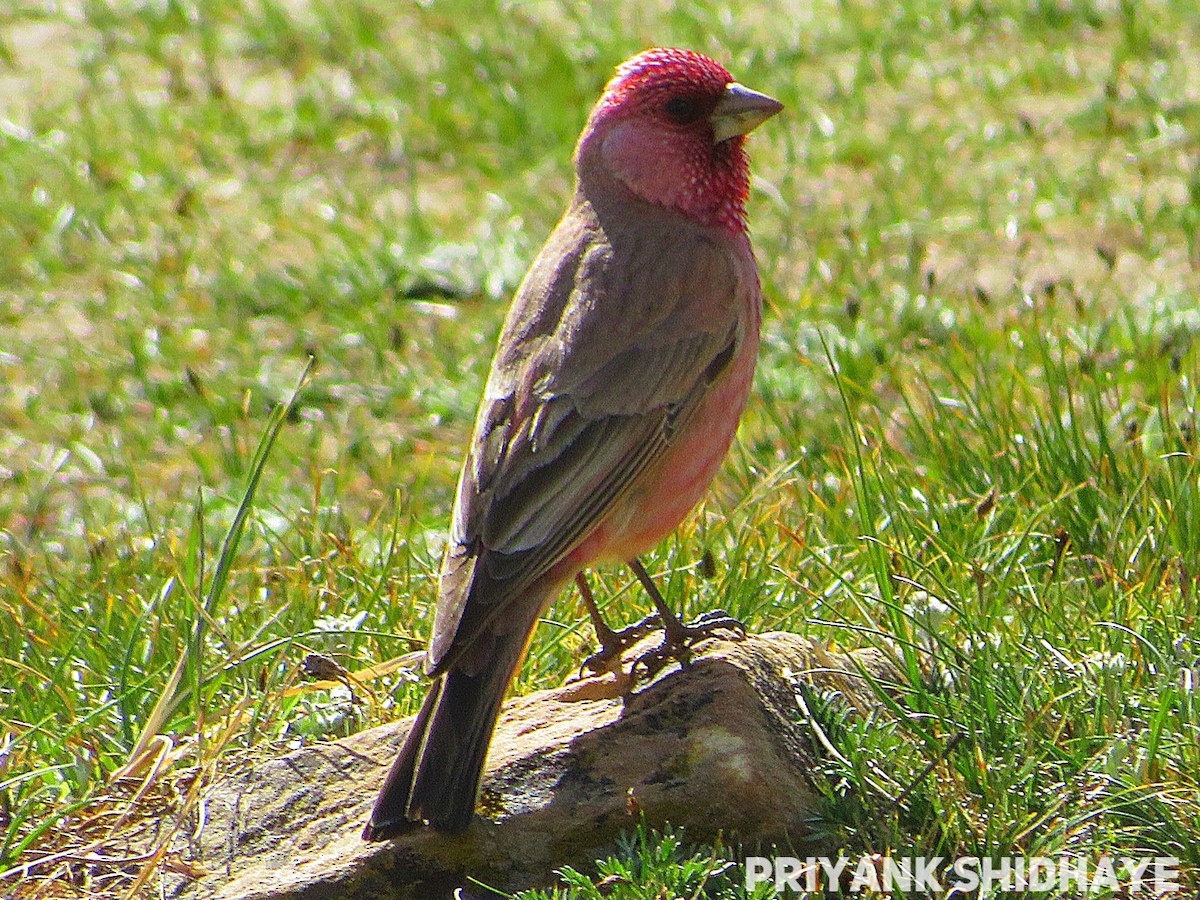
[{"x": 718, "y": 746}]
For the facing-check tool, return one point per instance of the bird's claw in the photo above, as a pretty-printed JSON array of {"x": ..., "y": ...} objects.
[
  {"x": 717, "y": 620},
  {"x": 678, "y": 640},
  {"x": 614, "y": 643}
]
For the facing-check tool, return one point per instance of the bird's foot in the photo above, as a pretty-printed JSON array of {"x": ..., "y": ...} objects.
[
  {"x": 679, "y": 639},
  {"x": 614, "y": 643}
]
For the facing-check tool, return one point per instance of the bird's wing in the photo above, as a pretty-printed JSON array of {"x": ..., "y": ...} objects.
[{"x": 608, "y": 348}]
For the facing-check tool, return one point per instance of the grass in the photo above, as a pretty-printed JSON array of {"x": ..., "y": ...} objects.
[{"x": 973, "y": 440}]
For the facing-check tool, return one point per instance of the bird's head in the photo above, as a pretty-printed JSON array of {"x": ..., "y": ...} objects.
[{"x": 670, "y": 127}]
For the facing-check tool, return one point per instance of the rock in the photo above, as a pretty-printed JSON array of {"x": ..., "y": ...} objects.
[{"x": 720, "y": 745}]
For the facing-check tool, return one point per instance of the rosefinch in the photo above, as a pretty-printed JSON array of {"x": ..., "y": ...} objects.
[{"x": 615, "y": 392}]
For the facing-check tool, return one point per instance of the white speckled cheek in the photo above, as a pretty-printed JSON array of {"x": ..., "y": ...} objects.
[{"x": 645, "y": 160}]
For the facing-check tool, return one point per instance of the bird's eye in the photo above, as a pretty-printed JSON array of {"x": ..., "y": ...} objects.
[{"x": 684, "y": 110}]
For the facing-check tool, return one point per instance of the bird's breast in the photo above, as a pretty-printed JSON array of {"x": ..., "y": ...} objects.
[{"x": 667, "y": 493}]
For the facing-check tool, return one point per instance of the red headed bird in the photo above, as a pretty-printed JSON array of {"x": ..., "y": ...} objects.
[{"x": 614, "y": 395}]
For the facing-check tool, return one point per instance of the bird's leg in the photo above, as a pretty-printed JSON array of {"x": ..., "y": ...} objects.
[
  {"x": 678, "y": 637},
  {"x": 612, "y": 643}
]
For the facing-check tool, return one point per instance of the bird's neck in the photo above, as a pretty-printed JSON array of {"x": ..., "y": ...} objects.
[{"x": 709, "y": 187}]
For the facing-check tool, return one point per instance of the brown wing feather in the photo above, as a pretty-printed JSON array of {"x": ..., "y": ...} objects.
[{"x": 595, "y": 374}]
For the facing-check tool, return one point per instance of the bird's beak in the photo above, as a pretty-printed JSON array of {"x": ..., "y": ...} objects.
[{"x": 741, "y": 110}]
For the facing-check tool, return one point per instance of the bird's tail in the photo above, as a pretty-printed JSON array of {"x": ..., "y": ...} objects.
[{"x": 436, "y": 776}]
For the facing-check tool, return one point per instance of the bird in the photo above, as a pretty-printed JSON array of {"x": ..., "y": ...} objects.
[{"x": 619, "y": 379}]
